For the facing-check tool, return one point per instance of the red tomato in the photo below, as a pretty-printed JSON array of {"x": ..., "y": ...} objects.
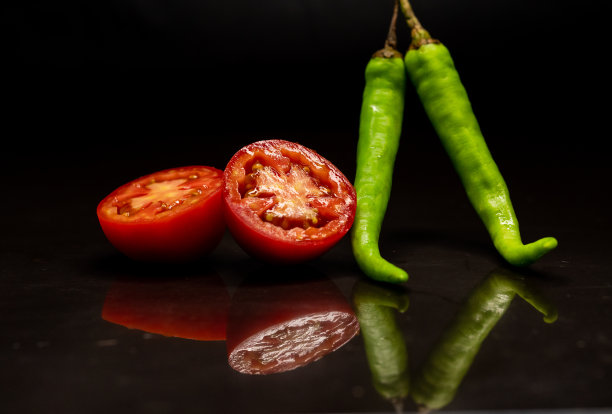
[
  {"x": 286, "y": 203},
  {"x": 190, "y": 308},
  {"x": 274, "y": 328},
  {"x": 169, "y": 215}
]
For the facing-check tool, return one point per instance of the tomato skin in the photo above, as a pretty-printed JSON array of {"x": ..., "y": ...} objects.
[
  {"x": 270, "y": 249},
  {"x": 188, "y": 234},
  {"x": 260, "y": 239}
]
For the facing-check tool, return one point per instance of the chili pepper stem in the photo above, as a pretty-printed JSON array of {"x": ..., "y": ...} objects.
[
  {"x": 390, "y": 48},
  {"x": 420, "y": 36},
  {"x": 392, "y": 34}
]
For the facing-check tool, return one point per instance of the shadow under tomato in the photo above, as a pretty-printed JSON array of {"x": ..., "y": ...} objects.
[
  {"x": 283, "y": 318},
  {"x": 115, "y": 265},
  {"x": 185, "y": 307}
]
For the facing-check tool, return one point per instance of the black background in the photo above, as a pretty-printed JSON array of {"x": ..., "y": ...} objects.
[
  {"x": 123, "y": 77},
  {"x": 98, "y": 93}
]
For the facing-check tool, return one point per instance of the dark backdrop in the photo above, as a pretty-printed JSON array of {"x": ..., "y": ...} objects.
[{"x": 130, "y": 77}]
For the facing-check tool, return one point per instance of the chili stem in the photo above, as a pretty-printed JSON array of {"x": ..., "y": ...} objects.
[
  {"x": 420, "y": 36},
  {"x": 390, "y": 49},
  {"x": 391, "y": 41}
]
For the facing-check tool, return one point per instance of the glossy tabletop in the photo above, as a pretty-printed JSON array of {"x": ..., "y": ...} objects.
[{"x": 85, "y": 329}]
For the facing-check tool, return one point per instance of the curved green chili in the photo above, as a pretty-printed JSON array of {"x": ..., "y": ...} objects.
[
  {"x": 437, "y": 381},
  {"x": 379, "y": 134},
  {"x": 432, "y": 72},
  {"x": 375, "y": 307}
]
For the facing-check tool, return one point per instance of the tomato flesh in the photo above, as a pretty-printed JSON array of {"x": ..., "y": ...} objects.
[
  {"x": 294, "y": 199},
  {"x": 174, "y": 214},
  {"x": 285, "y": 202},
  {"x": 159, "y": 195}
]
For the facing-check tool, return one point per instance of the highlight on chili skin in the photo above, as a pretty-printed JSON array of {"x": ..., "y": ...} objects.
[
  {"x": 168, "y": 216},
  {"x": 285, "y": 203}
]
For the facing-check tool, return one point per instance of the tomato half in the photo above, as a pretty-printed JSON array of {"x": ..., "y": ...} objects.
[
  {"x": 170, "y": 215},
  {"x": 279, "y": 327},
  {"x": 286, "y": 203}
]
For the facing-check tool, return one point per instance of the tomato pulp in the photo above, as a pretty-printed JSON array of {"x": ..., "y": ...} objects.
[
  {"x": 286, "y": 203},
  {"x": 170, "y": 215}
]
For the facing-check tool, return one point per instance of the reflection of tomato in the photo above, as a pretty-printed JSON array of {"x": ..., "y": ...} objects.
[
  {"x": 192, "y": 309},
  {"x": 286, "y": 203},
  {"x": 280, "y": 327},
  {"x": 169, "y": 215}
]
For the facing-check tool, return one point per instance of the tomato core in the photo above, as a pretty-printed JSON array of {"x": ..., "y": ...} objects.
[
  {"x": 287, "y": 200},
  {"x": 159, "y": 196}
]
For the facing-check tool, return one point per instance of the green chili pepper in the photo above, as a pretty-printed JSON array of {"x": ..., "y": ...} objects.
[
  {"x": 437, "y": 381},
  {"x": 379, "y": 134},
  {"x": 375, "y": 307},
  {"x": 432, "y": 72}
]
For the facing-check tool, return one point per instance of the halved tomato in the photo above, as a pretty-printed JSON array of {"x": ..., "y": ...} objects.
[
  {"x": 170, "y": 215},
  {"x": 286, "y": 203}
]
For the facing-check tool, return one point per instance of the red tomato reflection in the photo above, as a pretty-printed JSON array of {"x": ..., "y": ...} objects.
[
  {"x": 278, "y": 327},
  {"x": 187, "y": 308}
]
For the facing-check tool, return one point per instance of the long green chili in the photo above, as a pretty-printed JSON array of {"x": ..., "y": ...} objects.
[
  {"x": 436, "y": 383},
  {"x": 435, "y": 78},
  {"x": 376, "y": 307},
  {"x": 379, "y": 134}
]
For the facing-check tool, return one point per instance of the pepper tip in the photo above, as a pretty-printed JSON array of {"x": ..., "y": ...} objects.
[{"x": 550, "y": 243}]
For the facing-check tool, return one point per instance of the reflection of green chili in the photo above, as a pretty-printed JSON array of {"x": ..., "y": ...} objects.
[
  {"x": 375, "y": 306},
  {"x": 437, "y": 381},
  {"x": 380, "y": 126},
  {"x": 433, "y": 74}
]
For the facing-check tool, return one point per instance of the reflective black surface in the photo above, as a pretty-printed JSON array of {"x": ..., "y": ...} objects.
[
  {"x": 159, "y": 88},
  {"x": 60, "y": 354}
]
